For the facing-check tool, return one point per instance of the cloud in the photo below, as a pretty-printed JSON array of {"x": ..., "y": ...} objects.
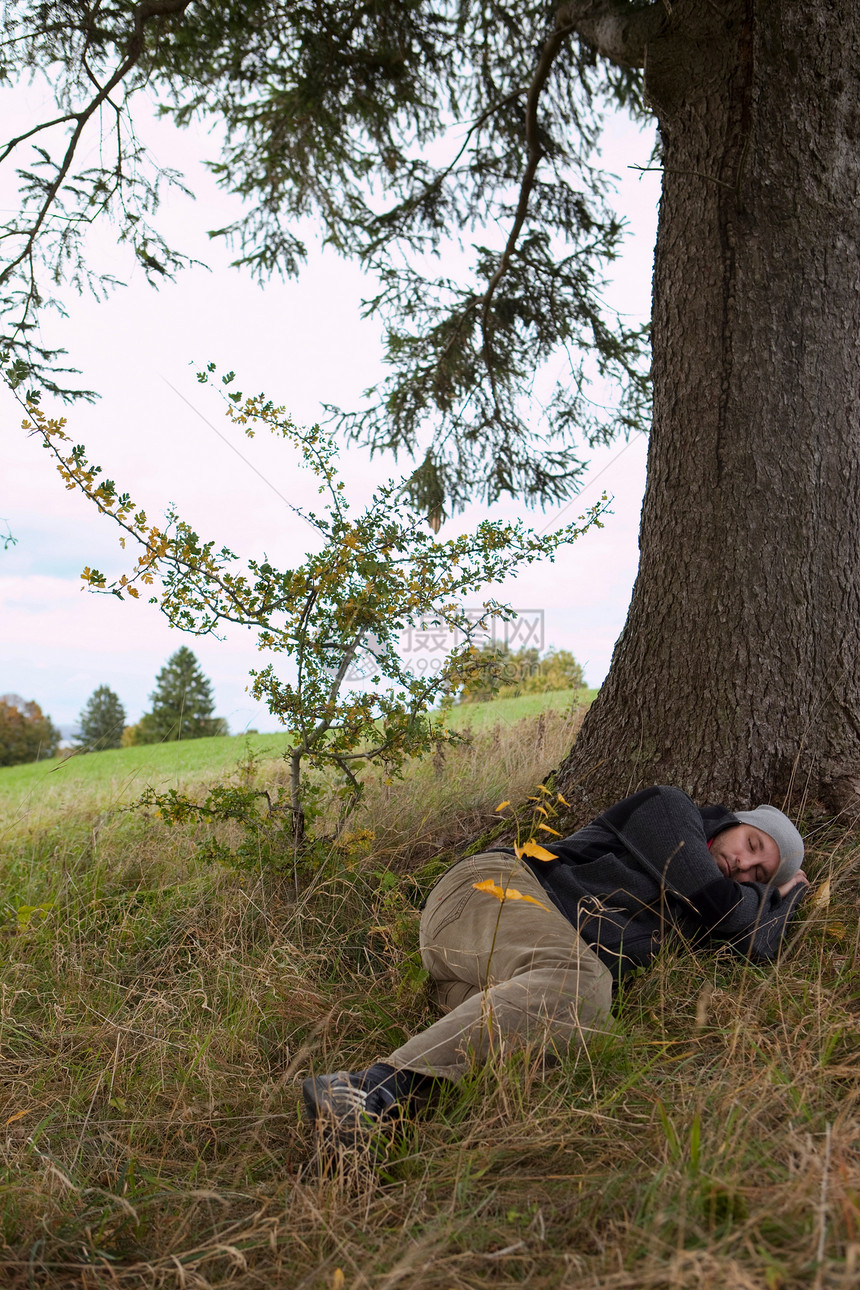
[{"x": 59, "y": 644}]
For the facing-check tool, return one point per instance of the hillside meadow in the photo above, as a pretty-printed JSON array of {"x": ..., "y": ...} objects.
[
  {"x": 158, "y": 1014},
  {"x": 120, "y": 774}
]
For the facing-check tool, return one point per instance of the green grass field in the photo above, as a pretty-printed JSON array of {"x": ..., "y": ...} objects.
[
  {"x": 121, "y": 774},
  {"x": 157, "y": 1017}
]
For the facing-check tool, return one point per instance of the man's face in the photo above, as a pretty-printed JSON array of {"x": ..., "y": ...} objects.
[{"x": 746, "y": 854}]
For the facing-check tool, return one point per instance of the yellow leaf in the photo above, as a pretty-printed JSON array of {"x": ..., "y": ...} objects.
[
  {"x": 490, "y": 887},
  {"x": 506, "y": 893},
  {"x": 537, "y": 852},
  {"x": 19, "y": 1115},
  {"x": 547, "y": 829},
  {"x": 542, "y": 788},
  {"x": 820, "y": 897},
  {"x": 501, "y": 806},
  {"x": 559, "y": 798},
  {"x": 542, "y": 809},
  {"x": 338, "y": 1280}
]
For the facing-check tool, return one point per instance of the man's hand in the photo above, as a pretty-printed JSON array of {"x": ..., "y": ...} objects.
[{"x": 799, "y": 877}]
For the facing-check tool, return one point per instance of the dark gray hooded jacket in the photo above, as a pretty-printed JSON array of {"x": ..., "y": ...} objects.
[{"x": 644, "y": 868}]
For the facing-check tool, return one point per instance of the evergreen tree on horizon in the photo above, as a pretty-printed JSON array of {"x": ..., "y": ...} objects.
[
  {"x": 182, "y": 703},
  {"x": 101, "y": 721}
]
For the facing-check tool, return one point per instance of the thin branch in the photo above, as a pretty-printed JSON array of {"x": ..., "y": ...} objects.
[
  {"x": 339, "y": 678},
  {"x": 439, "y": 179},
  {"x": 347, "y": 773},
  {"x": 698, "y": 174},
  {"x": 535, "y": 153},
  {"x": 619, "y": 33},
  {"x": 43, "y": 125},
  {"x": 142, "y": 14}
]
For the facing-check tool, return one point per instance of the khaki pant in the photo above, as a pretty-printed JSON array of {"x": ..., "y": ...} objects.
[{"x": 507, "y": 973}]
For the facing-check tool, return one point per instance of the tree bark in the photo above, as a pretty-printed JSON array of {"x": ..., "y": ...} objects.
[{"x": 737, "y": 675}]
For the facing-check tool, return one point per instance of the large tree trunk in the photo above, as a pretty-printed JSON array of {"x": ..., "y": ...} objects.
[{"x": 737, "y": 675}]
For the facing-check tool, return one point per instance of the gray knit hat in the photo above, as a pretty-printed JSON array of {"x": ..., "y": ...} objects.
[{"x": 785, "y": 835}]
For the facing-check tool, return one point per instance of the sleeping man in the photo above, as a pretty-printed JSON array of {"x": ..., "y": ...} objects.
[{"x": 526, "y": 952}]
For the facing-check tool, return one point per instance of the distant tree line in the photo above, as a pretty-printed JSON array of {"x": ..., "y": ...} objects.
[
  {"x": 182, "y": 708},
  {"x": 182, "y": 703},
  {"x": 495, "y": 671}
]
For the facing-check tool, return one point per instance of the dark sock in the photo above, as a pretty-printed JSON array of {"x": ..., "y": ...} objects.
[{"x": 401, "y": 1085}]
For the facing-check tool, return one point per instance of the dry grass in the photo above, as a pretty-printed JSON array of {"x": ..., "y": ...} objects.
[
  {"x": 156, "y": 1022},
  {"x": 450, "y": 801}
]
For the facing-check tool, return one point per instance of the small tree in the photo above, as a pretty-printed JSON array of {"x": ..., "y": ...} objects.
[
  {"x": 26, "y": 734},
  {"x": 101, "y": 721},
  {"x": 182, "y": 703},
  {"x": 339, "y": 616}
]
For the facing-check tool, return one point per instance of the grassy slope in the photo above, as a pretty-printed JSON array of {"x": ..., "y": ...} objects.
[
  {"x": 179, "y": 761},
  {"x": 157, "y": 1017}
]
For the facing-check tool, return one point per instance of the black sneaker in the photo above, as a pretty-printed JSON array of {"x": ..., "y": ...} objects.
[{"x": 348, "y": 1107}]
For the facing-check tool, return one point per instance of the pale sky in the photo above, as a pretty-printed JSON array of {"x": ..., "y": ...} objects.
[{"x": 304, "y": 344}]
